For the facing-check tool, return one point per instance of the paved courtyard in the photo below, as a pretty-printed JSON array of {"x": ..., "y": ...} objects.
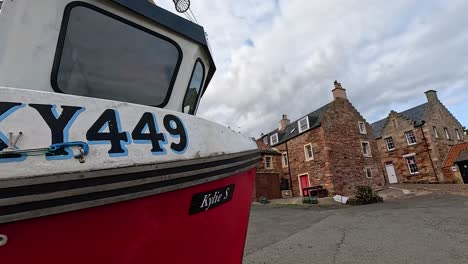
[{"x": 431, "y": 228}]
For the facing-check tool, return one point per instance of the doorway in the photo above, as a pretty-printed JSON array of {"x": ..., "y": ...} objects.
[
  {"x": 463, "y": 167},
  {"x": 304, "y": 182},
  {"x": 392, "y": 178}
]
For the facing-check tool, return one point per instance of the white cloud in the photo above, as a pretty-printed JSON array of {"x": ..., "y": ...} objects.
[{"x": 278, "y": 57}]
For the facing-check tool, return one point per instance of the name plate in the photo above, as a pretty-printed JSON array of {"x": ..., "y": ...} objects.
[{"x": 204, "y": 201}]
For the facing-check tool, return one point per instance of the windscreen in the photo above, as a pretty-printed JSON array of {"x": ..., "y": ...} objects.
[{"x": 104, "y": 56}]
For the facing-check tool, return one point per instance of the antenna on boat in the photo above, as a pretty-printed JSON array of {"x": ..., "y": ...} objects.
[{"x": 181, "y": 5}]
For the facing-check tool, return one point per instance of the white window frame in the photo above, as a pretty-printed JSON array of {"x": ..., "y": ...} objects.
[
  {"x": 271, "y": 139},
  {"x": 284, "y": 159},
  {"x": 457, "y": 132},
  {"x": 363, "y": 129},
  {"x": 371, "y": 172},
  {"x": 306, "y": 153},
  {"x": 408, "y": 165},
  {"x": 447, "y": 134},
  {"x": 265, "y": 140},
  {"x": 271, "y": 162},
  {"x": 386, "y": 143},
  {"x": 299, "y": 124},
  {"x": 436, "y": 133},
  {"x": 369, "y": 154},
  {"x": 299, "y": 181},
  {"x": 407, "y": 138}
]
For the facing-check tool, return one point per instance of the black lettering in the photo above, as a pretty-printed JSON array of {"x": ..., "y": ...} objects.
[
  {"x": 157, "y": 139},
  {"x": 177, "y": 131},
  {"x": 115, "y": 136},
  {"x": 58, "y": 125}
]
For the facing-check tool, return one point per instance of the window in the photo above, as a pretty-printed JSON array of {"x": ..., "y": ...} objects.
[
  {"x": 447, "y": 134},
  {"x": 412, "y": 166},
  {"x": 194, "y": 88},
  {"x": 303, "y": 124},
  {"x": 1, "y": 2},
  {"x": 410, "y": 138},
  {"x": 284, "y": 159},
  {"x": 268, "y": 162},
  {"x": 390, "y": 144},
  {"x": 362, "y": 127},
  {"x": 308, "y": 152},
  {"x": 436, "y": 134},
  {"x": 366, "y": 149},
  {"x": 274, "y": 139},
  {"x": 368, "y": 171},
  {"x": 394, "y": 123},
  {"x": 458, "y": 134},
  {"x": 102, "y": 55},
  {"x": 265, "y": 140}
]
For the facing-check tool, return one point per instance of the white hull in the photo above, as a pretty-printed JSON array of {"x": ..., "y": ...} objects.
[{"x": 204, "y": 138}]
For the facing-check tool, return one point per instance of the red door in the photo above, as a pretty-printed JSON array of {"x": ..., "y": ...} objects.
[{"x": 304, "y": 180}]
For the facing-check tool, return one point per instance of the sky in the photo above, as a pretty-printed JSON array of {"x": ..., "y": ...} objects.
[{"x": 277, "y": 57}]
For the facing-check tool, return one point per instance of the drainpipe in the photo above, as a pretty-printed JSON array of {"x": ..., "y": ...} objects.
[
  {"x": 289, "y": 171},
  {"x": 428, "y": 151}
]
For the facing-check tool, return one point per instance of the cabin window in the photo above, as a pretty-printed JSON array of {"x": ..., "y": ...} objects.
[
  {"x": 194, "y": 88},
  {"x": 105, "y": 56}
]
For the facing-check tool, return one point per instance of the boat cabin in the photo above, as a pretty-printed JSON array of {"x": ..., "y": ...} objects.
[{"x": 122, "y": 50}]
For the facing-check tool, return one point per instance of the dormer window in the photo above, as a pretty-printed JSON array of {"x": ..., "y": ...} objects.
[
  {"x": 265, "y": 140},
  {"x": 303, "y": 124},
  {"x": 274, "y": 139},
  {"x": 362, "y": 127}
]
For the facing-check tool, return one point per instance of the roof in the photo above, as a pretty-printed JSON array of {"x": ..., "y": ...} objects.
[
  {"x": 454, "y": 154},
  {"x": 265, "y": 149},
  {"x": 416, "y": 114},
  {"x": 292, "y": 130}
]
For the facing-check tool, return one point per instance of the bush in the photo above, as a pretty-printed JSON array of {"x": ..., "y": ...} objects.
[
  {"x": 310, "y": 200},
  {"x": 365, "y": 195}
]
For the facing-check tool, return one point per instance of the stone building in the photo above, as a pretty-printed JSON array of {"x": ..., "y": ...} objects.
[
  {"x": 414, "y": 143},
  {"x": 269, "y": 174},
  {"x": 332, "y": 146}
]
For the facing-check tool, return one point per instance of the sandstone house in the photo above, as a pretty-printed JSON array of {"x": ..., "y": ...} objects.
[
  {"x": 413, "y": 144},
  {"x": 332, "y": 146}
]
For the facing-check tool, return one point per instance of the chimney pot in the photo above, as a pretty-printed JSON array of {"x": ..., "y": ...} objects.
[{"x": 338, "y": 91}]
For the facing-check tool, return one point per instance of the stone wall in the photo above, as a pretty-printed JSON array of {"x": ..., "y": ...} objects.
[{"x": 346, "y": 161}]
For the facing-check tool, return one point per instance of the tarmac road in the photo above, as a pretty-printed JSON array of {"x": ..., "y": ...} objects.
[{"x": 423, "y": 229}]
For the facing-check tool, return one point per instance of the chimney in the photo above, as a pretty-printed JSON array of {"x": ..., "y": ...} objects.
[
  {"x": 339, "y": 91},
  {"x": 432, "y": 96},
  {"x": 284, "y": 122}
]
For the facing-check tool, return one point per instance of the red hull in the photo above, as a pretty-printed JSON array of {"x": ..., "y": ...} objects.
[{"x": 155, "y": 229}]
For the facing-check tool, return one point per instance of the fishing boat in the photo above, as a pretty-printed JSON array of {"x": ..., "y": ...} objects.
[{"x": 102, "y": 159}]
